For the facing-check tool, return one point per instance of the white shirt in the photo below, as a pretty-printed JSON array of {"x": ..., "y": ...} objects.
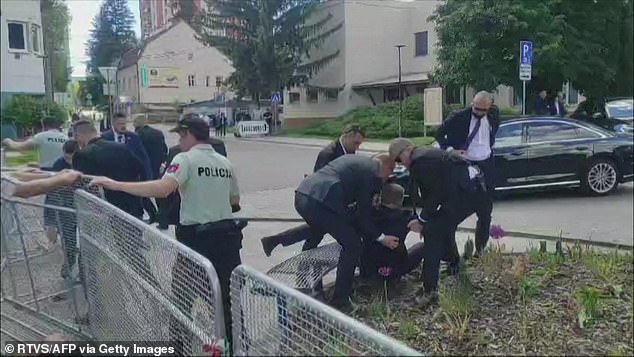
[
  {"x": 480, "y": 147},
  {"x": 557, "y": 112}
]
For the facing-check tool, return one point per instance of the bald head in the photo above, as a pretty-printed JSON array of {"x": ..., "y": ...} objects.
[
  {"x": 84, "y": 132},
  {"x": 481, "y": 104}
]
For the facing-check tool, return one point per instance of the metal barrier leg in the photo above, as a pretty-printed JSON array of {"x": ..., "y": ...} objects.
[
  {"x": 68, "y": 259},
  {"x": 8, "y": 265},
  {"x": 26, "y": 258}
]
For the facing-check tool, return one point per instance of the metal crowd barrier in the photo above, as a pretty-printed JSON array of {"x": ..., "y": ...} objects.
[
  {"x": 142, "y": 284},
  {"x": 38, "y": 279},
  {"x": 272, "y": 319}
]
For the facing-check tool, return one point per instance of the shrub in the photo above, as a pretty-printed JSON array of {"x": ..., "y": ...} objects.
[
  {"x": 379, "y": 122},
  {"x": 28, "y": 112}
]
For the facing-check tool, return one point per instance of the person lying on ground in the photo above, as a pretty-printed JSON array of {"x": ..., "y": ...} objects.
[{"x": 379, "y": 261}]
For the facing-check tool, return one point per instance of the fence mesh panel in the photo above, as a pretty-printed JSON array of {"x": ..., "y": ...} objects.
[
  {"x": 143, "y": 285},
  {"x": 272, "y": 319},
  {"x": 39, "y": 253},
  {"x": 306, "y": 270}
]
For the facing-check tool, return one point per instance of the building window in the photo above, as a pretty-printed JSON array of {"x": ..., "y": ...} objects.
[
  {"x": 17, "y": 38},
  {"x": 421, "y": 43},
  {"x": 207, "y": 80},
  {"x": 293, "y": 97},
  {"x": 191, "y": 80},
  {"x": 312, "y": 95},
  {"x": 219, "y": 81},
  {"x": 452, "y": 95},
  {"x": 331, "y": 94},
  {"x": 390, "y": 94},
  {"x": 35, "y": 38}
]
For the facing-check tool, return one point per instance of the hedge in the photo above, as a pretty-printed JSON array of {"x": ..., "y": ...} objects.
[{"x": 28, "y": 112}]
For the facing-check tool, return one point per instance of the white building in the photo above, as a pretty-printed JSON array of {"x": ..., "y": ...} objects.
[
  {"x": 366, "y": 71},
  {"x": 22, "y": 49},
  {"x": 172, "y": 67}
]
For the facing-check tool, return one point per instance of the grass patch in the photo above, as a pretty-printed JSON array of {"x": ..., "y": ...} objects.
[
  {"x": 25, "y": 157},
  {"x": 571, "y": 301}
]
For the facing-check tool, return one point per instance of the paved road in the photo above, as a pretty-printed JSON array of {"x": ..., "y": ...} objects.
[{"x": 269, "y": 172}]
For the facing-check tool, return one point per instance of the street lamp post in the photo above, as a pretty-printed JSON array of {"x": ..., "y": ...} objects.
[{"x": 400, "y": 91}]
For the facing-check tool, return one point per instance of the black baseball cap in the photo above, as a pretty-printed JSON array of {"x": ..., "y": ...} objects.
[{"x": 197, "y": 126}]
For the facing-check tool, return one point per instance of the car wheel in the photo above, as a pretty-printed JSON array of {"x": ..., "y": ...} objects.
[{"x": 600, "y": 178}]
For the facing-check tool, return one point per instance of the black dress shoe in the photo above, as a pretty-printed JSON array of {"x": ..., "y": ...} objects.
[
  {"x": 453, "y": 268},
  {"x": 268, "y": 244}
]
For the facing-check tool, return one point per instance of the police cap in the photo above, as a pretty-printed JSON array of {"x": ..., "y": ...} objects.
[{"x": 196, "y": 126}]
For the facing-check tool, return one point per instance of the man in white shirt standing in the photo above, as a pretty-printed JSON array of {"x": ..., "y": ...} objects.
[
  {"x": 48, "y": 143},
  {"x": 472, "y": 133}
]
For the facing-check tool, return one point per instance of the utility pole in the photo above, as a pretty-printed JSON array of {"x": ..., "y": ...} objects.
[{"x": 400, "y": 91}]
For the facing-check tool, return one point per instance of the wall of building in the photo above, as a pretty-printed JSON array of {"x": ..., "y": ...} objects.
[
  {"x": 22, "y": 71},
  {"x": 179, "y": 50}
]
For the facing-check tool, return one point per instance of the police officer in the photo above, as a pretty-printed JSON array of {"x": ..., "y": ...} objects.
[{"x": 208, "y": 188}]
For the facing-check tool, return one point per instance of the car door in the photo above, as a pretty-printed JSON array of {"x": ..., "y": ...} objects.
[
  {"x": 511, "y": 153},
  {"x": 557, "y": 151}
]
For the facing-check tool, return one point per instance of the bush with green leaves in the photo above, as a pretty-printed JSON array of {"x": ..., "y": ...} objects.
[
  {"x": 379, "y": 122},
  {"x": 28, "y": 112}
]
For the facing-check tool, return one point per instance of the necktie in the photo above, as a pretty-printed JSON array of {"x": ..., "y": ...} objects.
[
  {"x": 121, "y": 138},
  {"x": 473, "y": 133}
]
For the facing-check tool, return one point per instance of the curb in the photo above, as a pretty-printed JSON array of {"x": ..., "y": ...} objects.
[
  {"x": 472, "y": 230},
  {"x": 298, "y": 144}
]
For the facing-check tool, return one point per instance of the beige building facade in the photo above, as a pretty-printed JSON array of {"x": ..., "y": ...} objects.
[
  {"x": 172, "y": 67},
  {"x": 366, "y": 71}
]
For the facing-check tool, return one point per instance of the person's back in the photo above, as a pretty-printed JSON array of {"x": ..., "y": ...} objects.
[
  {"x": 49, "y": 146},
  {"x": 115, "y": 161},
  {"x": 338, "y": 183}
]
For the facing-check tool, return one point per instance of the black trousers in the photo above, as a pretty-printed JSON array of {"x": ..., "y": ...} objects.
[
  {"x": 221, "y": 245},
  {"x": 439, "y": 233},
  {"x": 322, "y": 220},
  {"x": 301, "y": 233},
  {"x": 149, "y": 207}
]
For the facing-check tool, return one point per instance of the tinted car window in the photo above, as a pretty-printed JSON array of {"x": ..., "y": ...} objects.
[
  {"x": 547, "y": 131},
  {"x": 620, "y": 109},
  {"x": 509, "y": 135}
]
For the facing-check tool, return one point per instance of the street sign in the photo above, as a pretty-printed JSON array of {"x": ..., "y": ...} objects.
[
  {"x": 109, "y": 73},
  {"x": 275, "y": 97},
  {"x": 526, "y": 60},
  {"x": 526, "y": 52},
  {"x": 109, "y": 89}
]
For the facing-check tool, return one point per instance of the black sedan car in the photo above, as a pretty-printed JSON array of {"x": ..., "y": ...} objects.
[
  {"x": 612, "y": 114},
  {"x": 547, "y": 152}
]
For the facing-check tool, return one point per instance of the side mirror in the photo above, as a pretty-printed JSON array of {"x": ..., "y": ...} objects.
[{"x": 597, "y": 116}]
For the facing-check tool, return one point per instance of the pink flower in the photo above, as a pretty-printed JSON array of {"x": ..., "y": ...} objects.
[
  {"x": 385, "y": 271},
  {"x": 497, "y": 232}
]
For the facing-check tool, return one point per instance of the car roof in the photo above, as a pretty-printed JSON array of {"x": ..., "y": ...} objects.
[{"x": 553, "y": 118}]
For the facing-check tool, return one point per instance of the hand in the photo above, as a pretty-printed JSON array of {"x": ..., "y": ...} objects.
[
  {"x": 415, "y": 226},
  {"x": 104, "y": 182},
  {"x": 460, "y": 152},
  {"x": 68, "y": 177},
  {"x": 390, "y": 242}
]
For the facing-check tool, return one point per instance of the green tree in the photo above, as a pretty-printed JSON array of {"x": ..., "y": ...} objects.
[
  {"x": 28, "y": 112},
  {"x": 271, "y": 43},
  {"x": 55, "y": 26},
  {"x": 586, "y": 42},
  {"x": 111, "y": 36}
]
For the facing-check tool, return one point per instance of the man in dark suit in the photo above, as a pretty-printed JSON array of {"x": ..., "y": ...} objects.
[
  {"x": 338, "y": 199},
  {"x": 557, "y": 107},
  {"x": 120, "y": 134},
  {"x": 471, "y": 133},
  {"x": 153, "y": 141},
  {"x": 347, "y": 143},
  {"x": 541, "y": 104},
  {"x": 451, "y": 191},
  {"x": 169, "y": 207}
]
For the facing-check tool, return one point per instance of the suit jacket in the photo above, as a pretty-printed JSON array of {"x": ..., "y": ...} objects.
[
  {"x": 541, "y": 106},
  {"x": 562, "y": 108},
  {"x": 346, "y": 181},
  {"x": 135, "y": 145},
  {"x": 329, "y": 153},
  {"x": 154, "y": 143},
  {"x": 116, "y": 161},
  {"x": 439, "y": 175},
  {"x": 454, "y": 130}
]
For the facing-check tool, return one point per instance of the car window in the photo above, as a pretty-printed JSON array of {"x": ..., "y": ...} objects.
[
  {"x": 549, "y": 131},
  {"x": 509, "y": 135},
  {"x": 620, "y": 109}
]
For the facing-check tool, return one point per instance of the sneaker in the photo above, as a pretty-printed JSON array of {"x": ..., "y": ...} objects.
[{"x": 268, "y": 244}]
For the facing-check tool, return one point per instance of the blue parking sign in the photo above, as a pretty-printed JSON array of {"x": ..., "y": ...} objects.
[{"x": 526, "y": 52}]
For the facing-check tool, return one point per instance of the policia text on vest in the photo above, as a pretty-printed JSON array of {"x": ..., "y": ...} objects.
[{"x": 214, "y": 172}]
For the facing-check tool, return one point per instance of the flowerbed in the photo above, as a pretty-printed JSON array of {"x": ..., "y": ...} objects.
[{"x": 574, "y": 301}]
